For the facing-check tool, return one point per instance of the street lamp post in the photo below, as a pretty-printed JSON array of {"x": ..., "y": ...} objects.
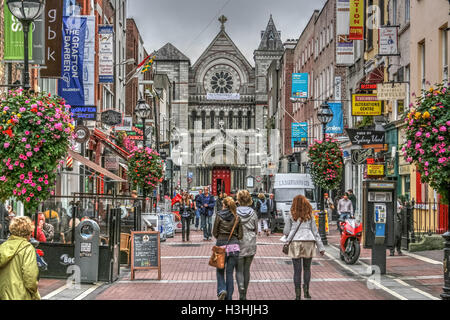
[
  {"x": 26, "y": 11},
  {"x": 143, "y": 111},
  {"x": 325, "y": 116}
]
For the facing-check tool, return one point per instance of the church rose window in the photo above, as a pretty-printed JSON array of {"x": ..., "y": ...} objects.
[{"x": 222, "y": 82}]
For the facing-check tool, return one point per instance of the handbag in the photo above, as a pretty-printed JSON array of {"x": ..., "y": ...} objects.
[
  {"x": 286, "y": 246},
  {"x": 217, "y": 259}
]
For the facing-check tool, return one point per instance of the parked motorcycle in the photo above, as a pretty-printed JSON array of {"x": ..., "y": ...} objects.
[{"x": 350, "y": 244}]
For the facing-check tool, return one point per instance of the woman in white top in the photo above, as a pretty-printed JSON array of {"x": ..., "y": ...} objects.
[{"x": 301, "y": 229}]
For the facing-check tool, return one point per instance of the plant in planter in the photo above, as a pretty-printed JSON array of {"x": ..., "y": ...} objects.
[
  {"x": 326, "y": 163},
  {"x": 145, "y": 169},
  {"x": 428, "y": 136},
  {"x": 35, "y": 132}
]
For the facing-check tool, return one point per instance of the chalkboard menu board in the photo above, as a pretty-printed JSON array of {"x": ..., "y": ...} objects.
[{"x": 145, "y": 252}]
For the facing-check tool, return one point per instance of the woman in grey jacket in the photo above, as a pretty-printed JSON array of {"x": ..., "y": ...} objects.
[
  {"x": 249, "y": 220},
  {"x": 302, "y": 230}
]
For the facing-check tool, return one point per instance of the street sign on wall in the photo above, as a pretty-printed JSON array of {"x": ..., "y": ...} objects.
[
  {"x": 84, "y": 113},
  {"x": 366, "y": 105},
  {"x": 106, "y": 54},
  {"x": 299, "y": 135}
]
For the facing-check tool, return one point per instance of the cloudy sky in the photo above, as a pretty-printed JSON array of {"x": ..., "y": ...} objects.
[{"x": 191, "y": 25}]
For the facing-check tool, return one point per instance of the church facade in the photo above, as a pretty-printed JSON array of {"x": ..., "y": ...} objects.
[{"x": 219, "y": 112}]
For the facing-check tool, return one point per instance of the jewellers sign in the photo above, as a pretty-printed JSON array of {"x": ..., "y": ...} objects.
[{"x": 365, "y": 137}]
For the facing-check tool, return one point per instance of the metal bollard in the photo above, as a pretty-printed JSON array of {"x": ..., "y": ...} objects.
[{"x": 322, "y": 229}]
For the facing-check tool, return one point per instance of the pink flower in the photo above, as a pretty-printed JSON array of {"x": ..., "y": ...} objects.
[
  {"x": 418, "y": 146},
  {"x": 427, "y": 163},
  {"x": 427, "y": 134},
  {"x": 409, "y": 159},
  {"x": 435, "y": 130},
  {"x": 442, "y": 160},
  {"x": 448, "y": 123},
  {"x": 29, "y": 154},
  {"x": 418, "y": 134},
  {"x": 39, "y": 188},
  {"x": 6, "y": 145},
  {"x": 46, "y": 182},
  {"x": 22, "y": 165},
  {"x": 28, "y": 199},
  {"x": 36, "y": 149},
  {"x": 440, "y": 138},
  {"x": 24, "y": 140},
  {"x": 443, "y": 129},
  {"x": 27, "y": 133},
  {"x": 22, "y": 176}
]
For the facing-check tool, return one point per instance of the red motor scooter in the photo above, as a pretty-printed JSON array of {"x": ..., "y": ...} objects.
[{"x": 350, "y": 245}]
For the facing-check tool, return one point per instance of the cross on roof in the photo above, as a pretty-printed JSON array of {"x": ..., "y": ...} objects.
[{"x": 222, "y": 20}]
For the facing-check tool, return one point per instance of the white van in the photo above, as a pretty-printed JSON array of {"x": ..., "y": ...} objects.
[{"x": 286, "y": 188}]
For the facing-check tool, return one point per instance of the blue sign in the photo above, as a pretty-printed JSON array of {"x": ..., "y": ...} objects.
[
  {"x": 70, "y": 86},
  {"x": 299, "y": 135},
  {"x": 300, "y": 85},
  {"x": 84, "y": 113},
  {"x": 337, "y": 124}
]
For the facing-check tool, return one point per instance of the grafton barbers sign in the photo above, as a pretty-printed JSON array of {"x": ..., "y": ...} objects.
[{"x": 365, "y": 137}]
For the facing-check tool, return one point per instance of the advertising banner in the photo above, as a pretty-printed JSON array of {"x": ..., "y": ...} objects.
[
  {"x": 344, "y": 46},
  {"x": 53, "y": 39},
  {"x": 299, "y": 135},
  {"x": 89, "y": 62},
  {"x": 375, "y": 170},
  {"x": 13, "y": 35},
  {"x": 356, "y": 20},
  {"x": 38, "y": 31},
  {"x": 366, "y": 105},
  {"x": 70, "y": 86},
  {"x": 388, "y": 41},
  {"x": 337, "y": 124},
  {"x": 300, "y": 85},
  {"x": 106, "y": 53}
]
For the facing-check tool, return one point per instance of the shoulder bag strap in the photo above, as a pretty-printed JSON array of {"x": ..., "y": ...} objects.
[
  {"x": 232, "y": 230},
  {"x": 299, "y": 223}
]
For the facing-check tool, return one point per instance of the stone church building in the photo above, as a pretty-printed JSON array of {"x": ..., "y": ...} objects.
[{"x": 219, "y": 111}]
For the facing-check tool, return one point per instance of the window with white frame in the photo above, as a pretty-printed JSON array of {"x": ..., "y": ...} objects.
[
  {"x": 407, "y": 11},
  {"x": 332, "y": 80},
  {"x": 394, "y": 12},
  {"x": 444, "y": 44},
  {"x": 422, "y": 66}
]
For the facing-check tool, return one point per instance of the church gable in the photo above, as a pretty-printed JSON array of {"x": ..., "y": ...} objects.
[{"x": 271, "y": 38}]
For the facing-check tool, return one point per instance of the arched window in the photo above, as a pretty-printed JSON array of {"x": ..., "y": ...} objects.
[
  {"x": 222, "y": 117},
  {"x": 212, "y": 119},
  {"x": 239, "y": 122},
  {"x": 249, "y": 120},
  {"x": 230, "y": 120},
  {"x": 193, "y": 119},
  {"x": 203, "y": 119}
]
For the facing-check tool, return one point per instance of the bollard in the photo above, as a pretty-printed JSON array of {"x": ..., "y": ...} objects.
[{"x": 322, "y": 229}]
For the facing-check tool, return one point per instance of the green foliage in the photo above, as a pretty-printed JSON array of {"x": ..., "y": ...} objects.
[
  {"x": 35, "y": 133},
  {"x": 428, "y": 137}
]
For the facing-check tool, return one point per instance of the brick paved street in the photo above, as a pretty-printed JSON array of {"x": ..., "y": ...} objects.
[{"x": 187, "y": 276}]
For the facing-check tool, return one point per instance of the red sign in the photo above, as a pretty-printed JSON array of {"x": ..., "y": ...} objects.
[
  {"x": 368, "y": 86},
  {"x": 370, "y": 161}
]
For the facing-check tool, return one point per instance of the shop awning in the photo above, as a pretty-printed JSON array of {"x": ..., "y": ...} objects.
[
  {"x": 104, "y": 139},
  {"x": 124, "y": 166},
  {"x": 95, "y": 167}
]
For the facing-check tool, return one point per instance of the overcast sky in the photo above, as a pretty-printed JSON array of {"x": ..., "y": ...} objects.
[{"x": 191, "y": 25}]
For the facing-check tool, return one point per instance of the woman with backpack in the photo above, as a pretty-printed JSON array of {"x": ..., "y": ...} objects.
[
  {"x": 228, "y": 231},
  {"x": 186, "y": 212},
  {"x": 262, "y": 209},
  {"x": 303, "y": 236}
]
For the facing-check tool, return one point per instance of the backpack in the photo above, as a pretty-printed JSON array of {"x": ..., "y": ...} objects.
[{"x": 263, "y": 208}]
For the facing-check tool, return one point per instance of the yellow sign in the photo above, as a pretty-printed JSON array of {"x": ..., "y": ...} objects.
[
  {"x": 366, "y": 105},
  {"x": 356, "y": 20},
  {"x": 375, "y": 170}
]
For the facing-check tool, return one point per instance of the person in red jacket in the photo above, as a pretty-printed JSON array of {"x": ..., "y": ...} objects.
[{"x": 40, "y": 234}]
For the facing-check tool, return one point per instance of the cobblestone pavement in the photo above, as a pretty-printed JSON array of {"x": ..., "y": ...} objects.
[{"x": 187, "y": 276}]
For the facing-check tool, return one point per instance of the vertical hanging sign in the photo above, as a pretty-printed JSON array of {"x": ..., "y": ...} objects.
[
  {"x": 70, "y": 86},
  {"x": 53, "y": 39},
  {"x": 106, "y": 53},
  {"x": 13, "y": 35},
  {"x": 89, "y": 62},
  {"x": 356, "y": 20}
]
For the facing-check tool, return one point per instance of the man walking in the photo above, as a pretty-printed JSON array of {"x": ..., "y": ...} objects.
[
  {"x": 197, "y": 208},
  {"x": 345, "y": 209},
  {"x": 207, "y": 203},
  {"x": 272, "y": 211}
]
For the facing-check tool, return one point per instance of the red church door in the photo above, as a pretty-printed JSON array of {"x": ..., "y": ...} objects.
[{"x": 221, "y": 181}]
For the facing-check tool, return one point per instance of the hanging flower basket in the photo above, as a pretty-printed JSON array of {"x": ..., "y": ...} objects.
[
  {"x": 428, "y": 138},
  {"x": 145, "y": 169},
  {"x": 35, "y": 133},
  {"x": 326, "y": 163}
]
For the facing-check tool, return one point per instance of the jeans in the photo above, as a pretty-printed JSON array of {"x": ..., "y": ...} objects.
[
  {"x": 225, "y": 280},
  {"x": 185, "y": 227},
  {"x": 197, "y": 217},
  {"x": 243, "y": 273},
  {"x": 206, "y": 225},
  {"x": 263, "y": 221},
  {"x": 344, "y": 216},
  {"x": 298, "y": 271}
]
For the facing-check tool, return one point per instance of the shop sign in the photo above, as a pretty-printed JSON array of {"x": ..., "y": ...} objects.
[
  {"x": 366, "y": 105},
  {"x": 356, "y": 20},
  {"x": 388, "y": 41},
  {"x": 404, "y": 170},
  {"x": 111, "y": 117},
  {"x": 391, "y": 91},
  {"x": 375, "y": 170},
  {"x": 82, "y": 134},
  {"x": 362, "y": 137}
]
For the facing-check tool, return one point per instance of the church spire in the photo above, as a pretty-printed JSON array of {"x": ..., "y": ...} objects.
[{"x": 271, "y": 38}]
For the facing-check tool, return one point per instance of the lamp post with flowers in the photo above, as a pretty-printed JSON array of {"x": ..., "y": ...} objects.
[{"x": 26, "y": 11}]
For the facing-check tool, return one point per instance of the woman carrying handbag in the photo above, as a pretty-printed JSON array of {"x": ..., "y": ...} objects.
[
  {"x": 228, "y": 231},
  {"x": 303, "y": 236},
  {"x": 186, "y": 212}
]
